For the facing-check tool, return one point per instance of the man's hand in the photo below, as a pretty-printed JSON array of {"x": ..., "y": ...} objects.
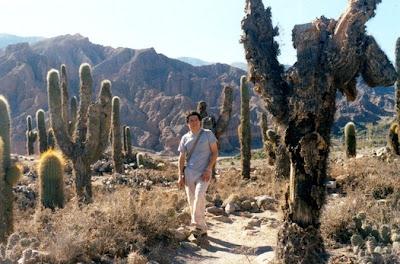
[
  {"x": 206, "y": 175},
  {"x": 181, "y": 181}
]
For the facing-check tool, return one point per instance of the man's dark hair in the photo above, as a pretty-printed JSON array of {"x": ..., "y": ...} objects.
[{"x": 193, "y": 113}]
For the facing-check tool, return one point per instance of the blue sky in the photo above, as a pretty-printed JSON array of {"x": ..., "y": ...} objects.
[{"x": 205, "y": 29}]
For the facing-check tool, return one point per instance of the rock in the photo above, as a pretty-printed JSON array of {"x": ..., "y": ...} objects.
[
  {"x": 396, "y": 247},
  {"x": 233, "y": 198},
  {"x": 246, "y": 205},
  {"x": 215, "y": 210},
  {"x": 230, "y": 208},
  {"x": 253, "y": 223},
  {"x": 265, "y": 202},
  {"x": 223, "y": 218},
  {"x": 330, "y": 184},
  {"x": 180, "y": 234}
]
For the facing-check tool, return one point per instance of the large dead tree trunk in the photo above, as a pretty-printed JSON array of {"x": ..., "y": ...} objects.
[{"x": 330, "y": 56}]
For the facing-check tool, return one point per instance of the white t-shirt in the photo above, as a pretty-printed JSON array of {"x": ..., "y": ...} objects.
[{"x": 202, "y": 153}]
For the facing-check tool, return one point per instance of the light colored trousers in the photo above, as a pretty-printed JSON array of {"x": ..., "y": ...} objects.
[{"x": 196, "y": 190}]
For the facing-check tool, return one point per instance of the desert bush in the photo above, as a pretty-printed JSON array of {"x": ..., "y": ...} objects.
[{"x": 115, "y": 225}]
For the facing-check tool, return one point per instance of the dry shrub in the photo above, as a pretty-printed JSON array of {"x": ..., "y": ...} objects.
[
  {"x": 371, "y": 186},
  {"x": 114, "y": 225},
  {"x": 262, "y": 182}
]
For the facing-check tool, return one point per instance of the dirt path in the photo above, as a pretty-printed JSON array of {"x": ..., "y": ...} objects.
[{"x": 230, "y": 241}]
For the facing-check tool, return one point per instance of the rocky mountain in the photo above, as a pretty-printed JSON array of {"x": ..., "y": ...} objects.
[
  {"x": 155, "y": 91},
  {"x": 194, "y": 61}
]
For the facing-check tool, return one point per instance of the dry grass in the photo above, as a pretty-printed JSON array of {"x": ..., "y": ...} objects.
[
  {"x": 114, "y": 225},
  {"x": 371, "y": 186}
]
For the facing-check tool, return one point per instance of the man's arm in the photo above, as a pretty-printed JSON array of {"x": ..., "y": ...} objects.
[
  {"x": 214, "y": 155},
  {"x": 181, "y": 164}
]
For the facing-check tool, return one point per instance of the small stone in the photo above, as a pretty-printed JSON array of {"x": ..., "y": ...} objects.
[
  {"x": 215, "y": 210},
  {"x": 246, "y": 205},
  {"x": 223, "y": 218},
  {"x": 230, "y": 208}
]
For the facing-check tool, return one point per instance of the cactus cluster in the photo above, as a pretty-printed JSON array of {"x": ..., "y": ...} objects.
[
  {"x": 31, "y": 136},
  {"x": 244, "y": 128},
  {"x": 370, "y": 242},
  {"x": 84, "y": 140},
  {"x": 9, "y": 172},
  {"x": 350, "y": 139},
  {"x": 51, "y": 179}
]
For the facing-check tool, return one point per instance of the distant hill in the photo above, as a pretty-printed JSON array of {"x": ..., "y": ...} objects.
[
  {"x": 240, "y": 65},
  {"x": 194, "y": 61},
  {"x": 7, "y": 39}
]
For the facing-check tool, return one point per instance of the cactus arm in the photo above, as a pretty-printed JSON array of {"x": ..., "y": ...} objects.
[
  {"x": 57, "y": 123},
  {"x": 99, "y": 123},
  {"x": 85, "y": 96},
  {"x": 74, "y": 115},
  {"x": 41, "y": 126},
  {"x": 64, "y": 91},
  {"x": 5, "y": 127},
  {"x": 377, "y": 69},
  {"x": 356, "y": 52},
  {"x": 128, "y": 141},
  {"x": 225, "y": 111},
  {"x": 261, "y": 55}
]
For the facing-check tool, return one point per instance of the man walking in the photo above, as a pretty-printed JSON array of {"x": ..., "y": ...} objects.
[{"x": 198, "y": 150}]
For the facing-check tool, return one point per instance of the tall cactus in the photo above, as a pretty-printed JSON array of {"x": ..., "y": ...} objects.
[
  {"x": 128, "y": 143},
  {"x": 331, "y": 54},
  {"x": 116, "y": 136},
  {"x": 397, "y": 84},
  {"x": 51, "y": 179},
  {"x": 224, "y": 112},
  {"x": 9, "y": 172},
  {"x": 31, "y": 136},
  {"x": 41, "y": 126},
  {"x": 124, "y": 139},
  {"x": 244, "y": 135},
  {"x": 91, "y": 129},
  {"x": 350, "y": 139}
]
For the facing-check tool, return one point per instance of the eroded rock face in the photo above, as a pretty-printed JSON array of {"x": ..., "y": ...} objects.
[{"x": 155, "y": 91}]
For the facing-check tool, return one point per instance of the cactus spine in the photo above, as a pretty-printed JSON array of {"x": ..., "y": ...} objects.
[
  {"x": 91, "y": 129},
  {"x": 51, "y": 179},
  {"x": 350, "y": 139},
  {"x": 116, "y": 136},
  {"x": 244, "y": 135},
  {"x": 31, "y": 136},
  {"x": 41, "y": 126},
  {"x": 9, "y": 172}
]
